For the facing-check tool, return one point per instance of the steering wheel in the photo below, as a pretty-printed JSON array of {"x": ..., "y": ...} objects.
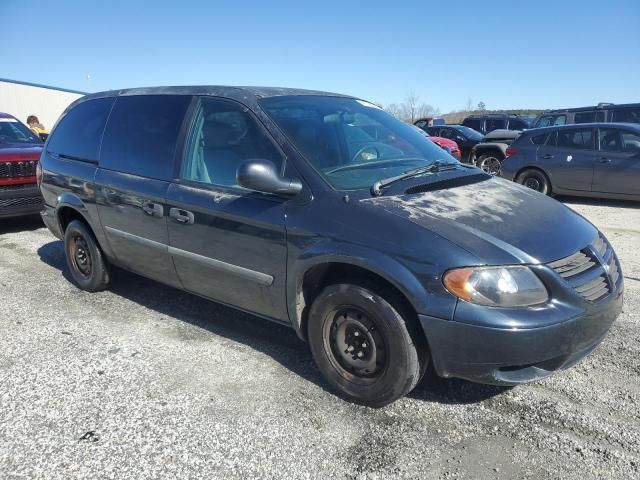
[{"x": 365, "y": 149}]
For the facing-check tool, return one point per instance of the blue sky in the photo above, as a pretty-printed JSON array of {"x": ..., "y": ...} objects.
[{"x": 536, "y": 54}]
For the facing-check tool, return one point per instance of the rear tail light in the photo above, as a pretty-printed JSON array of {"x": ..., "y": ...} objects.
[
  {"x": 39, "y": 174},
  {"x": 511, "y": 151}
]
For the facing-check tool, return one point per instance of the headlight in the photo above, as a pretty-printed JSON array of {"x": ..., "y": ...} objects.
[{"x": 496, "y": 286}]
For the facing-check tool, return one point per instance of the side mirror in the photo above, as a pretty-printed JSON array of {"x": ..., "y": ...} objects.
[
  {"x": 460, "y": 138},
  {"x": 262, "y": 176}
]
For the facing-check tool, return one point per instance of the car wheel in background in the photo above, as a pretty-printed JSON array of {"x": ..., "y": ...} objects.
[
  {"x": 363, "y": 345},
  {"x": 86, "y": 263},
  {"x": 490, "y": 163},
  {"x": 535, "y": 180}
]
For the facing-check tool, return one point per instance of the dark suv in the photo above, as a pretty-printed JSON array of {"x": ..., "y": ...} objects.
[
  {"x": 495, "y": 121},
  {"x": 324, "y": 213},
  {"x": 603, "y": 112}
]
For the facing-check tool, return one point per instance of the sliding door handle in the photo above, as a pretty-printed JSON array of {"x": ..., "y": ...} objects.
[
  {"x": 181, "y": 216},
  {"x": 153, "y": 209}
]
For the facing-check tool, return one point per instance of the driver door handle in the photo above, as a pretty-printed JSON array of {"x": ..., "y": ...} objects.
[
  {"x": 547, "y": 156},
  {"x": 605, "y": 160},
  {"x": 181, "y": 216}
]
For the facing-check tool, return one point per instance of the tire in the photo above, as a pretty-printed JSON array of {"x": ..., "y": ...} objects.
[
  {"x": 376, "y": 371},
  {"x": 536, "y": 180},
  {"x": 88, "y": 267},
  {"x": 490, "y": 162}
]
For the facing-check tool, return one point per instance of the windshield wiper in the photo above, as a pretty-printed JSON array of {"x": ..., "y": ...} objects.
[{"x": 435, "y": 167}]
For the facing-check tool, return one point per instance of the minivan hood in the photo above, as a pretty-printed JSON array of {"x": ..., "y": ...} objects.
[{"x": 497, "y": 221}]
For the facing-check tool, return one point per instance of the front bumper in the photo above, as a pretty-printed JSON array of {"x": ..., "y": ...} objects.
[
  {"x": 19, "y": 200},
  {"x": 510, "y": 356}
]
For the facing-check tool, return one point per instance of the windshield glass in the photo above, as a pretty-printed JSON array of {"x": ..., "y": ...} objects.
[
  {"x": 12, "y": 131},
  {"x": 352, "y": 143},
  {"x": 470, "y": 133}
]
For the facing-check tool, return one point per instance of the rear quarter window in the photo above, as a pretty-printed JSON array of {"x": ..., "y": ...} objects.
[
  {"x": 79, "y": 132},
  {"x": 627, "y": 115},
  {"x": 142, "y": 135}
]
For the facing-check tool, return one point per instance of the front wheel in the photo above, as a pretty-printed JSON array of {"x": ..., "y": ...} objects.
[
  {"x": 490, "y": 163},
  {"x": 363, "y": 346},
  {"x": 535, "y": 180}
]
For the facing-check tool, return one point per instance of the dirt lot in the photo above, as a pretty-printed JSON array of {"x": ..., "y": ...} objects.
[{"x": 144, "y": 381}]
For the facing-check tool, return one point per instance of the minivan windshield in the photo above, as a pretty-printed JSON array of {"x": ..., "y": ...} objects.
[{"x": 352, "y": 143}]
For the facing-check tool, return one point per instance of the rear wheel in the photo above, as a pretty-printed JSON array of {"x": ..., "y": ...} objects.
[
  {"x": 490, "y": 162},
  {"x": 363, "y": 345},
  {"x": 535, "y": 180},
  {"x": 86, "y": 263}
]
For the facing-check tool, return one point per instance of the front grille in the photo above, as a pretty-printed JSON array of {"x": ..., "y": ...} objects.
[
  {"x": 19, "y": 203},
  {"x": 22, "y": 186},
  {"x": 593, "y": 272},
  {"x": 18, "y": 169}
]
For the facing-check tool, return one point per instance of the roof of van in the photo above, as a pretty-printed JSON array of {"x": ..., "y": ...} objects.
[
  {"x": 571, "y": 126},
  {"x": 601, "y": 106},
  {"x": 215, "y": 90}
]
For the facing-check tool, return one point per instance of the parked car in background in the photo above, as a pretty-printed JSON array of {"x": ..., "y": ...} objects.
[
  {"x": 495, "y": 121},
  {"x": 20, "y": 150},
  {"x": 466, "y": 138},
  {"x": 603, "y": 112},
  {"x": 384, "y": 257},
  {"x": 489, "y": 154},
  {"x": 594, "y": 160},
  {"x": 450, "y": 146}
]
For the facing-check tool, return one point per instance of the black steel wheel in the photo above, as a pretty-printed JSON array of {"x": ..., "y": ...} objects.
[
  {"x": 363, "y": 346},
  {"x": 85, "y": 260},
  {"x": 535, "y": 180}
]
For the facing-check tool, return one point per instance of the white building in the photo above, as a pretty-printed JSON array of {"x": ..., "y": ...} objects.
[{"x": 22, "y": 99}]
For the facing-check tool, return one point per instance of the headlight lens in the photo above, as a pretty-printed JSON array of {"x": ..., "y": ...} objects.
[{"x": 496, "y": 286}]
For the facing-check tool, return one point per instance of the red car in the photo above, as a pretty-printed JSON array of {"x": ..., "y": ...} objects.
[
  {"x": 20, "y": 152},
  {"x": 444, "y": 143}
]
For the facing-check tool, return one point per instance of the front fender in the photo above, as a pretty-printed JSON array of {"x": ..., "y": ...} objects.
[{"x": 422, "y": 287}]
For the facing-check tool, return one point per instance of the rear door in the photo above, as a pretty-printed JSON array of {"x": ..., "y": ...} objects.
[
  {"x": 568, "y": 158},
  {"x": 617, "y": 167},
  {"x": 228, "y": 243},
  {"x": 137, "y": 162}
]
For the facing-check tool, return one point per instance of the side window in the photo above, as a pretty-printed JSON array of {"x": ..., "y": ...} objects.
[
  {"x": 79, "y": 132},
  {"x": 553, "y": 139},
  {"x": 434, "y": 131},
  {"x": 610, "y": 140},
  {"x": 448, "y": 133},
  {"x": 630, "y": 142},
  {"x": 474, "y": 123},
  {"x": 421, "y": 123},
  {"x": 224, "y": 136},
  {"x": 628, "y": 115},
  {"x": 517, "y": 124},
  {"x": 142, "y": 134},
  {"x": 495, "y": 124},
  {"x": 585, "y": 117},
  {"x": 539, "y": 139},
  {"x": 579, "y": 138}
]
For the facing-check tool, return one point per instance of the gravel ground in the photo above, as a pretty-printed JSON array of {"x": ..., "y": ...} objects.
[{"x": 144, "y": 381}]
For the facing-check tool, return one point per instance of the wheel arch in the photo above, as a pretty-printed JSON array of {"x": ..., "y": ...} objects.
[
  {"x": 70, "y": 207},
  {"x": 391, "y": 279}
]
